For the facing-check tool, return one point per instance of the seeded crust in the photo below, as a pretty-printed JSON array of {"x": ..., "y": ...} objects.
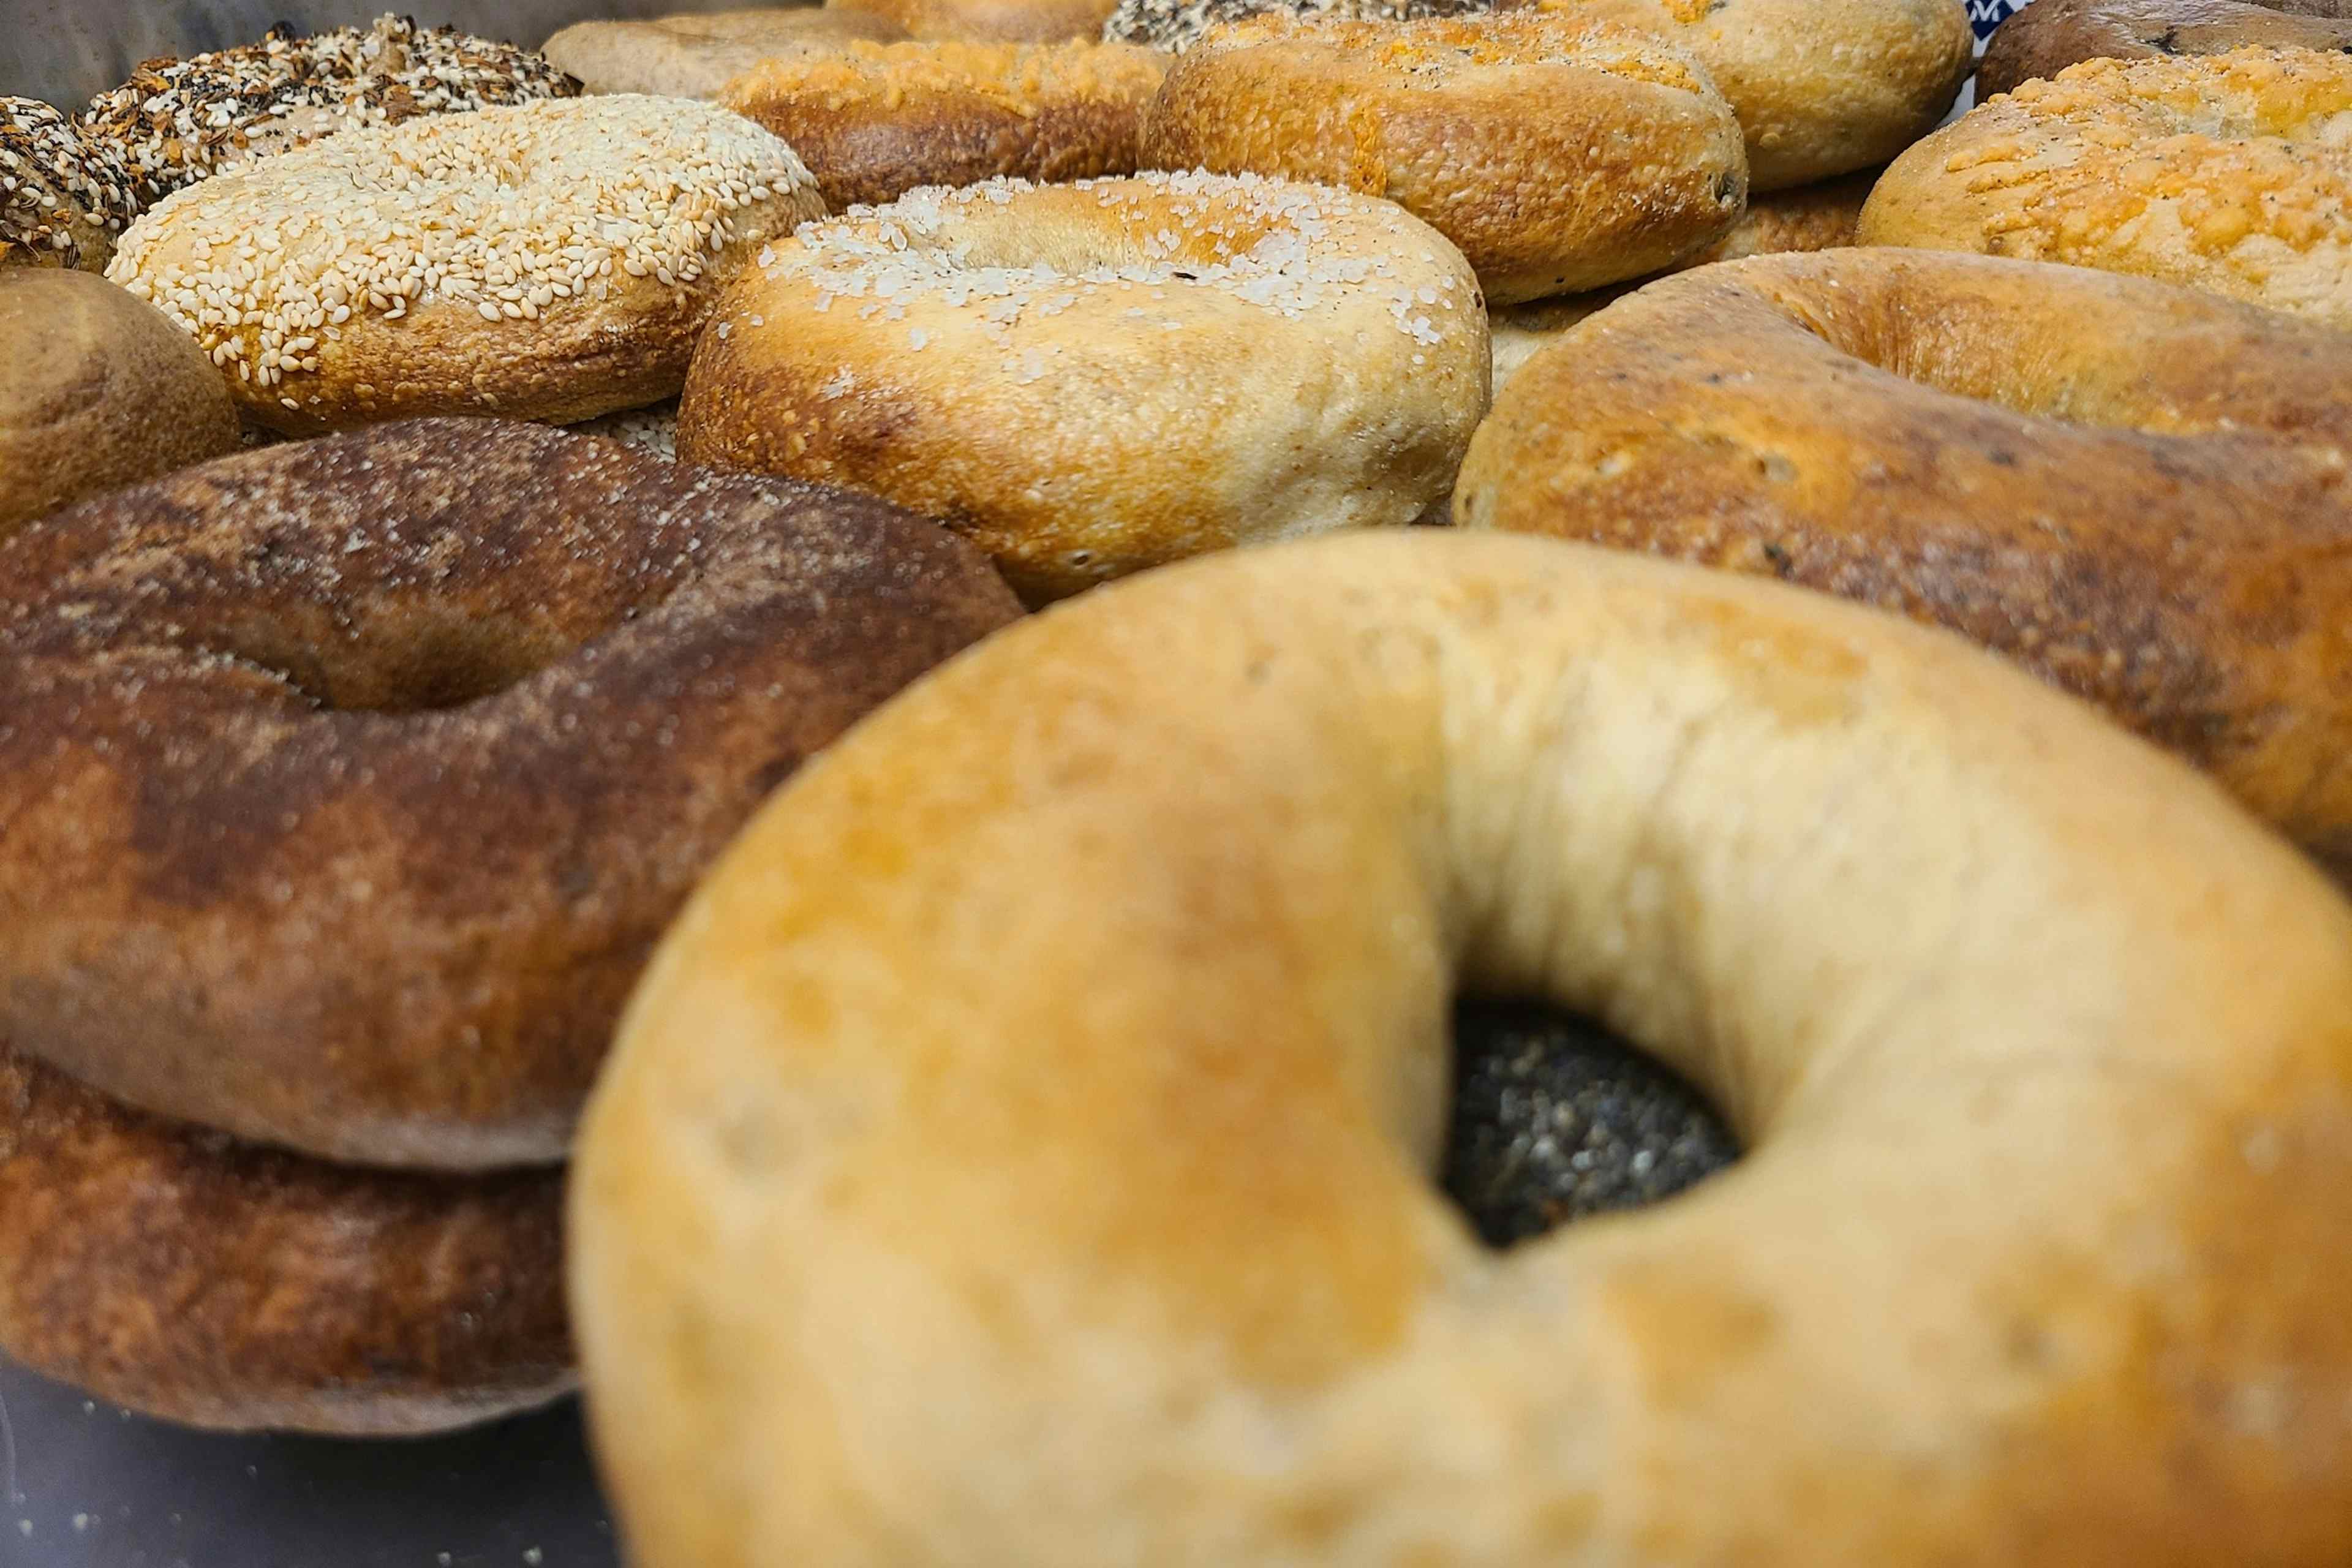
[
  {"x": 1175, "y": 26},
  {"x": 875, "y": 121},
  {"x": 102, "y": 390},
  {"x": 178, "y": 122},
  {"x": 2135, "y": 491},
  {"x": 654, "y": 429},
  {"x": 2230, "y": 173},
  {"x": 204, "y": 1281},
  {"x": 1090, "y": 379},
  {"x": 697, "y": 54},
  {"x": 349, "y": 782},
  {"x": 550, "y": 261},
  {"x": 1811, "y": 218},
  {"x": 2050, "y": 34},
  {"x": 988, "y": 21},
  {"x": 1559, "y": 155},
  {"x": 62, "y": 200}
]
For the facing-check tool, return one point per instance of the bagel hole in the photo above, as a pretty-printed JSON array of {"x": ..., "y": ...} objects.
[
  {"x": 1555, "y": 1119},
  {"x": 430, "y": 658}
]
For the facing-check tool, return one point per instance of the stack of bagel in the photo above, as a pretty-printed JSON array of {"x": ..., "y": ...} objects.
[{"x": 585, "y": 794}]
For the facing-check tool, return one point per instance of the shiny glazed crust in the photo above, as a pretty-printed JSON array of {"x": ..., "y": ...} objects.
[
  {"x": 348, "y": 782},
  {"x": 697, "y": 54},
  {"x": 874, "y": 120},
  {"x": 2050, "y": 34},
  {"x": 2229, "y": 173},
  {"x": 990, "y": 21},
  {"x": 2135, "y": 491},
  {"x": 1557, "y": 154},
  {"x": 207, "y": 1282},
  {"x": 1019, "y": 1150}
]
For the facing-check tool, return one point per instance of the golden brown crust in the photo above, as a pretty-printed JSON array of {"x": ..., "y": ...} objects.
[
  {"x": 2228, "y": 172},
  {"x": 2134, "y": 491},
  {"x": 347, "y": 782},
  {"x": 697, "y": 54},
  {"x": 2048, "y": 35},
  {"x": 553, "y": 260},
  {"x": 204, "y": 1281},
  {"x": 990, "y": 21},
  {"x": 1065, "y": 1049},
  {"x": 1090, "y": 379},
  {"x": 874, "y": 120},
  {"x": 1557, "y": 154},
  {"x": 102, "y": 390}
]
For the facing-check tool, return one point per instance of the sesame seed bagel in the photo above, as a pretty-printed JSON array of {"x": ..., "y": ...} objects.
[
  {"x": 697, "y": 54},
  {"x": 553, "y": 260},
  {"x": 2135, "y": 491},
  {"x": 654, "y": 428},
  {"x": 2050, "y": 34},
  {"x": 178, "y": 122},
  {"x": 1021, "y": 1148},
  {"x": 101, "y": 391},
  {"x": 204, "y": 1281},
  {"x": 349, "y": 782},
  {"x": 62, "y": 199},
  {"x": 875, "y": 121},
  {"x": 2229, "y": 173},
  {"x": 988, "y": 21},
  {"x": 1559, "y": 155},
  {"x": 1090, "y": 379}
]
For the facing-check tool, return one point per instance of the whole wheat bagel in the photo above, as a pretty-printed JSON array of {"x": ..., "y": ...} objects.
[
  {"x": 697, "y": 54},
  {"x": 1557, "y": 154},
  {"x": 1090, "y": 379},
  {"x": 2136, "y": 490},
  {"x": 2048, "y": 35},
  {"x": 872, "y": 121},
  {"x": 206, "y": 1282},
  {"x": 2230, "y": 173},
  {"x": 1021, "y": 1148},
  {"x": 988, "y": 21},
  {"x": 101, "y": 390},
  {"x": 552, "y": 260}
]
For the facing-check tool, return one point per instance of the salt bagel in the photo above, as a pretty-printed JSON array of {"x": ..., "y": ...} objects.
[
  {"x": 697, "y": 54},
  {"x": 2133, "y": 490},
  {"x": 553, "y": 260},
  {"x": 2048, "y": 35},
  {"x": 874, "y": 120},
  {"x": 1090, "y": 379},
  {"x": 988, "y": 21},
  {"x": 2228, "y": 172},
  {"x": 1020, "y": 1149},
  {"x": 1557, "y": 154},
  {"x": 179, "y": 1274},
  {"x": 349, "y": 782}
]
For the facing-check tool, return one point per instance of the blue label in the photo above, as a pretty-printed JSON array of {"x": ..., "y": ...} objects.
[{"x": 1987, "y": 15}]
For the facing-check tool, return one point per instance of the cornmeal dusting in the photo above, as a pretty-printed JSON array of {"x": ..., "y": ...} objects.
[{"x": 48, "y": 174}]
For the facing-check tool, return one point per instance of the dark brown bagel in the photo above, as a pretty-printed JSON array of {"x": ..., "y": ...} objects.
[
  {"x": 2048, "y": 35},
  {"x": 347, "y": 784},
  {"x": 195, "y": 1278}
]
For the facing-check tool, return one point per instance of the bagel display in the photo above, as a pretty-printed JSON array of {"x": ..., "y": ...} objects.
[
  {"x": 62, "y": 201},
  {"x": 2226, "y": 173},
  {"x": 874, "y": 120},
  {"x": 988, "y": 21},
  {"x": 175, "y": 123},
  {"x": 1020, "y": 1149},
  {"x": 348, "y": 782},
  {"x": 1090, "y": 379},
  {"x": 102, "y": 390},
  {"x": 2135, "y": 491},
  {"x": 697, "y": 54},
  {"x": 1557, "y": 154},
  {"x": 554, "y": 261},
  {"x": 2048, "y": 35}
]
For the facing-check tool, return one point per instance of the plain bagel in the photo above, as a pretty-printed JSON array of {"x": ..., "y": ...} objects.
[
  {"x": 1021, "y": 1148},
  {"x": 2135, "y": 491},
  {"x": 988, "y": 21},
  {"x": 697, "y": 54},
  {"x": 2048, "y": 35}
]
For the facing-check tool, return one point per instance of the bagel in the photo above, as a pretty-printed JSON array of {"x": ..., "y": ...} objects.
[
  {"x": 550, "y": 261},
  {"x": 988, "y": 21},
  {"x": 1090, "y": 379},
  {"x": 2227, "y": 172},
  {"x": 875, "y": 121},
  {"x": 176, "y": 1273},
  {"x": 1558, "y": 155},
  {"x": 1173, "y": 26},
  {"x": 349, "y": 782},
  {"x": 62, "y": 201},
  {"x": 2050, "y": 34},
  {"x": 697, "y": 54},
  {"x": 101, "y": 391},
  {"x": 654, "y": 429},
  {"x": 175, "y": 123},
  {"x": 1811, "y": 218},
  {"x": 2135, "y": 491},
  {"x": 1018, "y": 1150}
]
